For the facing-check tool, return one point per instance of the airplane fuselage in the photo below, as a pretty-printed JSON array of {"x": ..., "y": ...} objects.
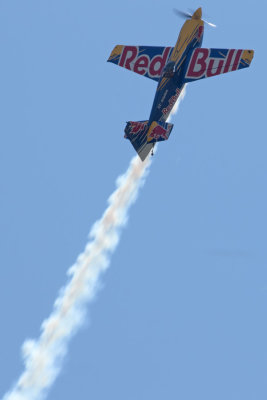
[
  {"x": 172, "y": 68},
  {"x": 170, "y": 87}
]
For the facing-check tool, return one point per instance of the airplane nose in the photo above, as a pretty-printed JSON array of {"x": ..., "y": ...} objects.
[{"x": 197, "y": 14}]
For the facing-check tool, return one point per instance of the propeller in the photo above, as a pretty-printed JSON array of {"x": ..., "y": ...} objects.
[
  {"x": 188, "y": 15},
  {"x": 209, "y": 23},
  {"x": 182, "y": 14}
]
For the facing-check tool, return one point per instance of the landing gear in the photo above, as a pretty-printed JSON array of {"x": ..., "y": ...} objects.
[{"x": 152, "y": 151}]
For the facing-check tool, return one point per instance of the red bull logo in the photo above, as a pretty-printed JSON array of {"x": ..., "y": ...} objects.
[
  {"x": 158, "y": 132},
  {"x": 202, "y": 65},
  {"x": 136, "y": 127},
  {"x": 172, "y": 101},
  {"x": 134, "y": 60}
]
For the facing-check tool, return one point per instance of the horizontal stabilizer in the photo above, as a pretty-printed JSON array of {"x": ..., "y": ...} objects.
[{"x": 143, "y": 136}]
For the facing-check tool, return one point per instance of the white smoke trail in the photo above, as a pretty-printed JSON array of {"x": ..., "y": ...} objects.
[{"x": 43, "y": 357}]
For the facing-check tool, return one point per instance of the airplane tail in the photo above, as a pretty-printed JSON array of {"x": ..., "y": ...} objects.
[{"x": 143, "y": 135}]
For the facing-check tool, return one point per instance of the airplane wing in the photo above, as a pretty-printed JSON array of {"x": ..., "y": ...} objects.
[
  {"x": 204, "y": 63},
  {"x": 148, "y": 61}
]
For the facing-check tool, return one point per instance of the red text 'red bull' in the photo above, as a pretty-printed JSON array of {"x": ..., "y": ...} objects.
[{"x": 144, "y": 60}]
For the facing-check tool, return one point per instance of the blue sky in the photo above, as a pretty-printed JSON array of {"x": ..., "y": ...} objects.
[{"x": 182, "y": 311}]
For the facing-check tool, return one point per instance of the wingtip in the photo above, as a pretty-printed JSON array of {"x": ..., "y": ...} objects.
[
  {"x": 116, "y": 52},
  {"x": 247, "y": 56}
]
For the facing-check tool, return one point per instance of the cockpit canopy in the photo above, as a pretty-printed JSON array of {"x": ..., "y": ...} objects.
[{"x": 169, "y": 70}]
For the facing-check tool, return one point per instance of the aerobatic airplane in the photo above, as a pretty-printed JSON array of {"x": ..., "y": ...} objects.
[{"x": 172, "y": 68}]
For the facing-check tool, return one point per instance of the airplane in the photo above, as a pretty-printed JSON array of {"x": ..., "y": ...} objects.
[{"x": 172, "y": 68}]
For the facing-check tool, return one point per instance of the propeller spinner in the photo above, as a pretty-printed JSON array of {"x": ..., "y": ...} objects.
[{"x": 194, "y": 15}]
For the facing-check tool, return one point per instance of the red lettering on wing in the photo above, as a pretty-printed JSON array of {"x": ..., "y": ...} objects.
[
  {"x": 128, "y": 55},
  {"x": 236, "y": 60},
  {"x": 212, "y": 71},
  {"x": 158, "y": 63},
  {"x": 141, "y": 65},
  {"x": 197, "y": 65},
  {"x": 228, "y": 60}
]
